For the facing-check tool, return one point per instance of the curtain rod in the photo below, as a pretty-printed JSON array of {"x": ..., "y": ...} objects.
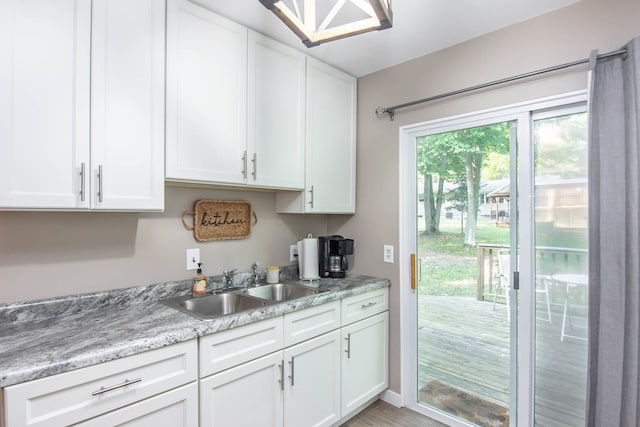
[{"x": 391, "y": 110}]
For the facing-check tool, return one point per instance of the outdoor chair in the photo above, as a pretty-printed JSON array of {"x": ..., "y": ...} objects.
[{"x": 503, "y": 284}]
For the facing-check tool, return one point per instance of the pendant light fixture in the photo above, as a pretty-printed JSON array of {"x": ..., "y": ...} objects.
[{"x": 320, "y": 21}]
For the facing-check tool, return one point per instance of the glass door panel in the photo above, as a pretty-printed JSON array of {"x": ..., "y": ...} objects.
[
  {"x": 560, "y": 165},
  {"x": 464, "y": 216}
]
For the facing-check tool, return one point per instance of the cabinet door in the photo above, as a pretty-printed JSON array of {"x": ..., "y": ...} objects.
[
  {"x": 312, "y": 382},
  {"x": 247, "y": 395},
  {"x": 44, "y": 102},
  {"x": 330, "y": 153},
  {"x": 127, "y": 104},
  {"x": 206, "y": 96},
  {"x": 275, "y": 122},
  {"x": 178, "y": 407},
  {"x": 364, "y": 361}
]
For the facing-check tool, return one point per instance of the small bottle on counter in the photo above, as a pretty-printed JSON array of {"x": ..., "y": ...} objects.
[
  {"x": 273, "y": 274},
  {"x": 199, "y": 282}
]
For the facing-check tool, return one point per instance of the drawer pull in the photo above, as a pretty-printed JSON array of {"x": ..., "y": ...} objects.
[
  {"x": 281, "y": 380},
  {"x": 115, "y": 387},
  {"x": 371, "y": 304}
]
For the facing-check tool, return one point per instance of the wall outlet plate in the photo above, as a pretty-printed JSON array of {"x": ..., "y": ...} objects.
[
  {"x": 388, "y": 254},
  {"x": 293, "y": 253},
  {"x": 193, "y": 258}
]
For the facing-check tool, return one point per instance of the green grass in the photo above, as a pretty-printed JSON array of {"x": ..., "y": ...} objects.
[{"x": 449, "y": 266}]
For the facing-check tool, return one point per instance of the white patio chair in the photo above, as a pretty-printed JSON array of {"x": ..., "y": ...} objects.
[
  {"x": 542, "y": 287},
  {"x": 504, "y": 284}
]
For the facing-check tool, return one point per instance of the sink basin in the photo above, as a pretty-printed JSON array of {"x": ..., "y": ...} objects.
[
  {"x": 212, "y": 306},
  {"x": 281, "y": 292}
]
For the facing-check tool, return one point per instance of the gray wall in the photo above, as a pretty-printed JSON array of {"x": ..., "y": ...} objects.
[
  {"x": 565, "y": 35},
  {"x": 45, "y": 254}
]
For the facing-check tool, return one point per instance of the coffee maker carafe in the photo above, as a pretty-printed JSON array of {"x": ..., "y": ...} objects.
[{"x": 332, "y": 255}]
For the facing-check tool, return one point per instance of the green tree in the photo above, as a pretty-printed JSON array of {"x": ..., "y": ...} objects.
[
  {"x": 447, "y": 156},
  {"x": 436, "y": 162}
]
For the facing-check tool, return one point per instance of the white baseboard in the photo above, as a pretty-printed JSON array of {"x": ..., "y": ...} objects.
[{"x": 392, "y": 398}]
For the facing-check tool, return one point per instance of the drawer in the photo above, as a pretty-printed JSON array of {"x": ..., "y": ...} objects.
[
  {"x": 308, "y": 323},
  {"x": 224, "y": 350},
  {"x": 361, "y": 306},
  {"x": 78, "y": 395},
  {"x": 178, "y": 407}
]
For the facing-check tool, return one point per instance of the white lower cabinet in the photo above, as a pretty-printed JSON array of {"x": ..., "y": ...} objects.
[
  {"x": 365, "y": 355},
  {"x": 84, "y": 393},
  {"x": 312, "y": 382},
  {"x": 247, "y": 395},
  {"x": 312, "y": 367}
]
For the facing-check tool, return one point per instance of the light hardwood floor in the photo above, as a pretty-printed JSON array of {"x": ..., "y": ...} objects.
[{"x": 382, "y": 414}]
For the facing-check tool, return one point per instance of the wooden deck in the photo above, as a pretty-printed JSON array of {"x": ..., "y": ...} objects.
[{"x": 465, "y": 343}]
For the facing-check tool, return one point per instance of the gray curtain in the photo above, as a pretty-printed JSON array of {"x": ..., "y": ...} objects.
[{"x": 614, "y": 241}]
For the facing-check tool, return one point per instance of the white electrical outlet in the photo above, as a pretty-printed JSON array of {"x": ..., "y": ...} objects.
[
  {"x": 293, "y": 253},
  {"x": 193, "y": 258},
  {"x": 388, "y": 254}
]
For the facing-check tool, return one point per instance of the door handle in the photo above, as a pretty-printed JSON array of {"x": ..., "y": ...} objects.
[
  {"x": 311, "y": 196},
  {"x": 348, "y": 350},
  {"x": 100, "y": 179},
  {"x": 82, "y": 189},
  {"x": 281, "y": 380},
  {"x": 413, "y": 271},
  {"x": 255, "y": 166},
  {"x": 244, "y": 164},
  {"x": 292, "y": 370}
]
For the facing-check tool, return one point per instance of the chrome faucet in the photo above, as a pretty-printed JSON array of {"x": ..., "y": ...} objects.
[
  {"x": 254, "y": 270},
  {"x": 228, "y": 277}
]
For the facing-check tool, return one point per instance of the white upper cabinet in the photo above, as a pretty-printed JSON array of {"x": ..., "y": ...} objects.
[
  {"x": 276, "y": 114},
  {"x": 235, "y": 103},
  {"x": 127, "y": 104},
  {"x": 206, "y": 96},
  {"x": 330, "y": 144},
  {"x": 81, "y": 92},
  {"x": 44, "y": 102}
]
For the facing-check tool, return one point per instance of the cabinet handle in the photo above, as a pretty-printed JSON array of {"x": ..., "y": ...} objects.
[
  {"x": 82, "y": 166},
  {"x": 115, "y": 387},
  {"x": 311, "y": 192},
  {"x": 281, "y": 380},
  {"x": 371, "y": 304},
  {"x": 255, "y": 166},
  {"x": 291, "y": 362},
  {"x": 348, "y": 350},
  {"x": 100, "y": 177},
  {"x": 244, "y": 164}
]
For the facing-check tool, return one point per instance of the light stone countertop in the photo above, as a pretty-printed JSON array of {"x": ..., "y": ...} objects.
[{"x": 47, "y": 337}]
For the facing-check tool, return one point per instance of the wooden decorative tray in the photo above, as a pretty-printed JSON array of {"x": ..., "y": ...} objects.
[{"x": 220, "y": 220}]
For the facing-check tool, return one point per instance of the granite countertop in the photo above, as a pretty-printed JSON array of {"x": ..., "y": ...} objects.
[{"x": 47, "y": 337}]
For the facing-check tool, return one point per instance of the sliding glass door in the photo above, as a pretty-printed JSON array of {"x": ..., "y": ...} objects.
[
  {"x": 499, "y": 231},
  {"x": 463, "y": 335},
  {"x": 560, "y": 194}
]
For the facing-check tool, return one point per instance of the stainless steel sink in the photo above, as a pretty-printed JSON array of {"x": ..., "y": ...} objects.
[
  {"x": 281, "y": 292},
  {"x": 217, "y": 305}
]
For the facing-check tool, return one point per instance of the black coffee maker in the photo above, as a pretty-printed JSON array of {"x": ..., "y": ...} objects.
[{"x": 332, "y": 255}]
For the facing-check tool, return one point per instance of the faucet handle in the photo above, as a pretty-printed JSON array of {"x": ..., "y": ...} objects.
[{"x": 228, "y": 276}]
